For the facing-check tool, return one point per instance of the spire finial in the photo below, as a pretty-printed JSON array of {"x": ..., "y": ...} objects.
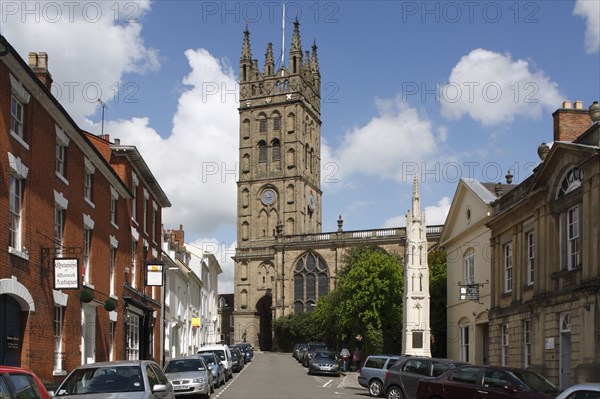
[{"x": 246, "y": 52}]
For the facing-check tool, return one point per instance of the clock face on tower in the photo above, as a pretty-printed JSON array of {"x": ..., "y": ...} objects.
[
  {"x": 311, "y": 203},
  {"x": 268, "y": 197}
]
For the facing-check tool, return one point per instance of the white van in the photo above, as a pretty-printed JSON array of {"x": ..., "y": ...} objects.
[{"x": 224, "y": 354}]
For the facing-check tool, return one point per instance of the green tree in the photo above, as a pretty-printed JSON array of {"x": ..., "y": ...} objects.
[
  {"x": 437, "y": 291},
  {"x": 292, "y": 329},
  {"x": 367, "y": 301}
]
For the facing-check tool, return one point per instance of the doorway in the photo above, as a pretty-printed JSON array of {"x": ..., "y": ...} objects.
[
  {"x": 265, "y": 336},
  {"x": 565, "y": 351},
  {"x": 11, "y": 331}
]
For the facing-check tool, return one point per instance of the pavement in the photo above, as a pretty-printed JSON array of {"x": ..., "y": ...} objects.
[{"x": 351, "y": 380}]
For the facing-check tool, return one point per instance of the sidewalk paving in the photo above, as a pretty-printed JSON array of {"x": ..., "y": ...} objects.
[{"x": 351, "y": 380}]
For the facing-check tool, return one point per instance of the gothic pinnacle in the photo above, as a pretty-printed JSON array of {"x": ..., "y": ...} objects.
[{"x": 246, "y": 52}]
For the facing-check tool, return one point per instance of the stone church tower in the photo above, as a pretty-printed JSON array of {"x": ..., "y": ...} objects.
[
  {"x": 284, "y": 263},
  {"x": 279, "y": 180},
  {"x": 416, "y": 332}
]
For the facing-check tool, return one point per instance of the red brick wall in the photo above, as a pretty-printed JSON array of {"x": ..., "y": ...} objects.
[{"x": 570, "y": 123}]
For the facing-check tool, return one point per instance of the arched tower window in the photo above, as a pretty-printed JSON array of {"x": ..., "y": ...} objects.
[
  {"x": 291, "y": 120},
  {"x": 245, "y": 231},
  {"x": 276, "y": 148},
  {"x": 244, "y": 73},
  {"x": 246, "y": 128},
  {"x": 291, "y": 158},
  {"x": 312, "y": 159},
  {"x": 262, "y": 151},
  {"x": 276, "y": 123},
  {"x": 306, "y": 157},
  {"x": 246, "y": 163},
  {"x": 245, "y": 198},
  {"x": 262, "y": 123},
  {"x": 244, "y": 299},
  {"x": 289, "y": 226},
  {"x": 311, "y": 281}
]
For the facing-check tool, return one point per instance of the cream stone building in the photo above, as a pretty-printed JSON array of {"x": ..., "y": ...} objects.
[
  {"x": 545, "y": 246},
  {"x": 284, "y": 263},
  {"x": 466, "y": 240}
]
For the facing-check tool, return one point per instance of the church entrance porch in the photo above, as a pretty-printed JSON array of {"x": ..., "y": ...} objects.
[{"x": 265, "y": 335}]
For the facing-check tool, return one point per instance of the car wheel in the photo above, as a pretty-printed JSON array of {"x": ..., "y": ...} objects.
[
  {"x": 375, "y": 388},
  {"x": 395, "y": 393}
]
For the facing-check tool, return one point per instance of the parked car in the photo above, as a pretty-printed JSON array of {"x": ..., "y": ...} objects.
[
  {"x": 296, "y": 350},
  {"x": 190, "y": 376},
  {"x": 581, "y": 391},
  {"x": 237, "y": 359},
  {"x": 487, "y": 381},
  {"x": 301, "y": 353},
  {"x": 224, "y": 354},
  {"x": 246, "y": 349},
  {"x": 311, "y": 348},
  {"x": 216, "y": 367},
  {"x": 372, "y": 373},
  {"x": 402, "y": 378},
  {"x": 21, "y": 383},
  {"x": 325, "y": 362},
  {"x": 133, "y": 379}
]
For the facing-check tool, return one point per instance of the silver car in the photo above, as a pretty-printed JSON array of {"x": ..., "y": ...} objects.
[
  {"x": 190, "y": 376},
  {"x": 124, "y": 379}
]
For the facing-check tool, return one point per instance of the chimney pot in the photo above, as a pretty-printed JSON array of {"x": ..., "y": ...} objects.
[
  {"x": 578, "y": 104},
  {"x": 33, "y": 59},
  {"x": 117, "y": 141},
  {"x": 38, "y": 62},
  {"x": 566, "y": 104}
]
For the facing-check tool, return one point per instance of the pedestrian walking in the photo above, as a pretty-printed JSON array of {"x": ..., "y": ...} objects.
[
  {"x": 356, "y": 358},
  {"x": 345, "y": 355}
]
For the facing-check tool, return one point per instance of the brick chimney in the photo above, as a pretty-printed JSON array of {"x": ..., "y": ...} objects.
[
  {"x": 38, "y": 62},
  {"x": 569, "y": 122}
]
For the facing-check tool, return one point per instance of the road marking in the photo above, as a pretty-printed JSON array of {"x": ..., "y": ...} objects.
[{"x": 327, "y": 383}]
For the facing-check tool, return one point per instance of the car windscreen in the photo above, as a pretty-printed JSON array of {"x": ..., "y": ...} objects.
[
  {"x": 102, "y": 380},
  {"x": 534, "y": 381},
  {"x": 220, "y": 353},
  {"x": 210, "y": 360},
  {"x": 183, "y": 365},
  {"x": 325, "y": 355}
]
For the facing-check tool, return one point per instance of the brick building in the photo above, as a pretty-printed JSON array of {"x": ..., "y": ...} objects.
[{"x": 67, "y": 198}]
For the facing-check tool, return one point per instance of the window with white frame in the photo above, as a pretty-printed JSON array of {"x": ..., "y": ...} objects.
[
  {"x": 133, "y": 336},
  {"x": 88, "y": 180},
  {"x": 504, "y": 344},
  {"x": 15, "y": 208},
  {"x": 507, "y": 250},
  {"x": 60, "y": 209},
  {"x": 87, "y": 245},
  {"x": 16, "y": 114},
  {"x": 530, "y": 257},
  {"x": 111, "y": 270},
  {"x": 114, "y": 197},
  {"x": 134, "y": 187},
  {"x": 134, "y": 251},
  {"x": 573, "y": 238},
  {"x": 17, "y": 176},
  {"x": 112, "y": 327},
  {"x": 59, "y": 225},
  {"x": 145, "y": 210},
  {"x": 62, "y": 142},
  {"x": 58, "y": 333},
  {"x": 153, "y": 226},
  {"x": 469, "y": 267},
  {"x": 465, "y": 337},
  {"x": 526, "y": 343}
]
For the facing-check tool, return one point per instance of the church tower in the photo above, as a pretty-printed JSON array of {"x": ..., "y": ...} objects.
[
  {"x": 279, "y": 176},
  {"x": 416, "y": 334}
]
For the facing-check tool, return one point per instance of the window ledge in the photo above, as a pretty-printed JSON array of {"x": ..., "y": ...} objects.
[
  {"x": 114, "y": 225},
  {"x": 135, "y": 222},
  {"x": 61, "y": 178},
  {"x": 528, "y": 287},
  {"x": 20, "y": 254},
  {"x": 506, "y": 294},
  {"x": 58, "y": 372},
  {"x": 89, "y": 285},
  {"x": 19, "y": 139},
  {"x": 89, "y": 202},
  {"x": 113, "y": 296}
]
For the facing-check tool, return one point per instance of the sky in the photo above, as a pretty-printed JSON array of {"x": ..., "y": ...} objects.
[{"x": 437, "y": 89}]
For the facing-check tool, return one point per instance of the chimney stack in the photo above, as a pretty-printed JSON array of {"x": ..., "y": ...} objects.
[
  {"x": 569, "y": 122},
  {"x": 38, "y": 62}
]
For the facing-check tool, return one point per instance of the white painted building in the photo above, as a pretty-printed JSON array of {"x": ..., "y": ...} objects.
[{"x": 208, "y": 268}]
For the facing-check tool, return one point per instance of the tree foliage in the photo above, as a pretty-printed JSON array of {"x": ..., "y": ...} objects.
[{"x": 437, "y": 291}]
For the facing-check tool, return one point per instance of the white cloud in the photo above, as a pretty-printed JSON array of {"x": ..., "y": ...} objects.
[
  {"x": 381, "y": 147},
  {"x": 196, "y": 164},
  {"x": 590, "y": 10},
  {"x": 90, "y": 45},
  {"x": 434, "y": 215},
  {"x": 493, "y": 88},
  {"x": 223, "y": 253}
]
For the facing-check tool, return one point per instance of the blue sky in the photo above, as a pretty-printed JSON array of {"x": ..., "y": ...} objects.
[{"x": 442, "y": 89}]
